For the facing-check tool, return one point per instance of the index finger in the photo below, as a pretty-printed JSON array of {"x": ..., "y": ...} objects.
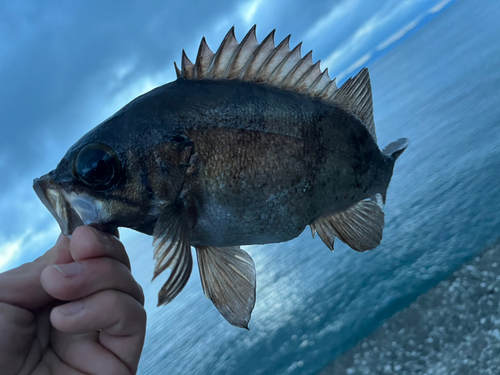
[{"x": 88, "y": 242}]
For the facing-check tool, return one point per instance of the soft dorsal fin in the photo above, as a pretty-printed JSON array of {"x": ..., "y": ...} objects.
[
  {"x": 281, "y": 67},
  {"x": 356, "y": 96}
]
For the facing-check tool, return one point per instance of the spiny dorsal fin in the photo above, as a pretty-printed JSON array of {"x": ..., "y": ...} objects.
[
  {"x": 298, "y": 71},
  {"x": 304, "y": 82},
  {"x": 260, "y": 55},
  {"x": 259, "y": 62},
  {"x": 177, "y": 70},
  {"x": 203, "y": 60},
  {"x": 356, "y": 96},
  {"x": 281, "y": 67},
  {"x": 242, "y": 54},
  {"x": 187, "y": 67},
  {"x": 273, "y": 60},
  {"x": 223, "y": 57}
]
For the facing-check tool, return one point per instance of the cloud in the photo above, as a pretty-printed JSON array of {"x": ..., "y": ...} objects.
[
  {"x": 410, "y": 26},
  {"x": 332, "y": 19},
  {"x": 439, "y": 6},
  {"x": 22, "y": 248},
  {"x": 377, "y": 34},
  {"x": 365, "y": 34},
  {"x": 8, "y": 251},
  {"x": 398, "y": 35},
  {"x": 248, "y": 10},
  {"x": 66, "y": 67}
]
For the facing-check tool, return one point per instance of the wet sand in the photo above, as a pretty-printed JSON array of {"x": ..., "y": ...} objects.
[{"x": 453, "y": 328}]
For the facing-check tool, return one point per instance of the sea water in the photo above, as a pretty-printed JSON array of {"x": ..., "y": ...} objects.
[{"x": 441, "y": 89}]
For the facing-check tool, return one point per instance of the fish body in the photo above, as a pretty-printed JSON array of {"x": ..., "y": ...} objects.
[
  {"x": 215, "y": 160},
  {"x": 276, "y": 162}
]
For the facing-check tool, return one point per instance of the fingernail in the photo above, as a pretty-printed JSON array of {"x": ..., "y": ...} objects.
[
  {"x": 70, "y": 269},
  {"x": 71, "y": 308}
]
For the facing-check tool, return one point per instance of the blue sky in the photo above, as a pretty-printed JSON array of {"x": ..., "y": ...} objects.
[{"x": 67, "y": 66}]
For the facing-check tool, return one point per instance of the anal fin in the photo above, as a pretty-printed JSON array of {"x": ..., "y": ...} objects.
[
  {"x": 172, "y": 250},
  {"x": 228, "y": 280},
  {"x": 359, "y": 227}
]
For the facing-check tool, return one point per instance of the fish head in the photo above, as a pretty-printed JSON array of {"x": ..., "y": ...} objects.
[
  {"x": 78, "y": 191},
  {"x": 113, "y": 177}
]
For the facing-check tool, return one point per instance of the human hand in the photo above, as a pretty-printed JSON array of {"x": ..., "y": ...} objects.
[{"x": 75, "y": 310}]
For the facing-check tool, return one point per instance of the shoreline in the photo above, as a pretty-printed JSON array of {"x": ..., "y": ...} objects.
[{"x": 453, "y": 328}]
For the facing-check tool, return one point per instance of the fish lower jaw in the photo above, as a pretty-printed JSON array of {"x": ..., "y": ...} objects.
[
  {"x": 71, "y": 209},
  {"x": 52, "y": 197}
]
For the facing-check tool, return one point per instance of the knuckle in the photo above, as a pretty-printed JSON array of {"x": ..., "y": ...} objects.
[
  {"x": 110, "y": 269},
  {"x": 143, "y": 316},
  {"x": 129, "y": 315},
  {"x": 141, "y": 296},
  {"x": 114, "y": 297}
]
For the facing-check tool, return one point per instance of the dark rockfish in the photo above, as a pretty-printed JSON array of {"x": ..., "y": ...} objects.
[{"x": 248, "y": 146}]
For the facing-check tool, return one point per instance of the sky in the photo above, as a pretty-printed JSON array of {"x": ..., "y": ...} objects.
[{"x": 67, "y": 66}]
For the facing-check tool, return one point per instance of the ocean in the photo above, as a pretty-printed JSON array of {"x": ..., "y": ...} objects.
[{"x": 441, "y": 89}]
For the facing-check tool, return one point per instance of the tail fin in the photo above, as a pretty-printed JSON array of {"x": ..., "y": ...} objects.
[{"x": 395, "y": 149}]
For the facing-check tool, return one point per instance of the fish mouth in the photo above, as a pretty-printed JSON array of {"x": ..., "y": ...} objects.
[
  {"x": 71, "y": 210},
  {"x": 54, "y": 198}
]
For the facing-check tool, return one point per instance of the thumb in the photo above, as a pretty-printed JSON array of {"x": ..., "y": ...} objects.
[{"x": 21, "y": 286}]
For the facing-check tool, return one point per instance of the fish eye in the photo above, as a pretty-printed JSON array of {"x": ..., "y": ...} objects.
[{"x": 97, "y": 166}]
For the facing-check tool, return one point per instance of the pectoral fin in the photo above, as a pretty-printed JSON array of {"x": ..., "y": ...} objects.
[
  {"x": 360, "y": 226},
  {"x": 228, "y": 280},
  {"x": 172, "y": 250}
]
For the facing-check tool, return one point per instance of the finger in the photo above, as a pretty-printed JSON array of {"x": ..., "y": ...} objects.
[
  {"x": 88, "y": 242},
  {"x": 52, "y": 364},
  {"x": 21, "y": 286},
  {"x": 119, "y": 317},
  {"x": 17, "y": 327},
  {"x": 85, "y": 354},
  {"x": 72, "y": 281}
]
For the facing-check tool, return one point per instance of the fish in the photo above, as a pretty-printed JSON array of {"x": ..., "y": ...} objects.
[{"x": 249, "y": 145}]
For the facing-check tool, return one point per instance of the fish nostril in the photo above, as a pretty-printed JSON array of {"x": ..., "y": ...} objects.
[{"x": 179, "y": 139}]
